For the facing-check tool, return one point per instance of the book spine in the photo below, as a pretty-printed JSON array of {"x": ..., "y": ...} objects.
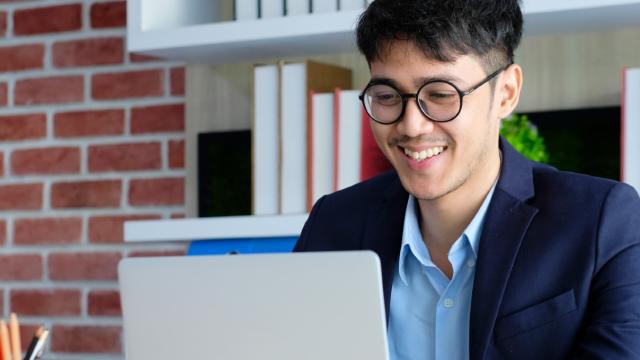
[
  {"x": 322, "y": 146},
  {"x": 349, "y": 123},
  {"x": 271, "y": 8},
  {"x": 245, "y": 10},
  {"x": 324, "y": 6},
  {"x": 346, "y": 5},
  {"x": 373, "y": 160},
  {"x": 623, "y": 101},
  {"x": 279, "y": 130},
  {"x": 310, "y": 111},
  {"x": 630, "y": 127},
  {"x": 297, "y": 7},
  {"x": 336, "y": 137},
  {"x": 265, "y": 141},
  {"x": 293, "y": 130}
]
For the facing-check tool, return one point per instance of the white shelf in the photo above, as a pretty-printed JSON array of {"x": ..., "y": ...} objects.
[
  {"x": 234, "y": 41},
  {"x": 190, "y": 34},
  {"x": 228, "y": 227}
]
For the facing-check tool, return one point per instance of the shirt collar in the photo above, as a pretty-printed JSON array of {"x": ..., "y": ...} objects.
[{"x": 412, "y": 235}]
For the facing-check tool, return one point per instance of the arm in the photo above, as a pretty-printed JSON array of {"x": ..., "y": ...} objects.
[
  {"x": 301, "y": 245},
  {"x": 612, "y": 325}
]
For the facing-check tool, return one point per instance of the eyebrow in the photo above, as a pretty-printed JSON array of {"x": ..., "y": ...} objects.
[{"x": 417, "y": 82}]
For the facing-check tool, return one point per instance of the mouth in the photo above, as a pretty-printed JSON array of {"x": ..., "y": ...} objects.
[{"x": 423, "y": 154}]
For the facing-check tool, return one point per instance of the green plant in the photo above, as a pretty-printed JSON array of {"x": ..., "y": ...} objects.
[{"x": 524, "y": 137}]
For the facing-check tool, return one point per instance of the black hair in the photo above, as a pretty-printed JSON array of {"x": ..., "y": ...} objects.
[{"x": 444, "y": 29}]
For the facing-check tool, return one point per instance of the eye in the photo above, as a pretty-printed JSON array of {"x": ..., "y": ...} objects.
[
  {"x": 435, "y": 95},
  {"x": 439, "y": 93},
  {"x": 386, "y": 98},
  {"x": 439, "y": 96},
  {"x": 383, "y": 95}
]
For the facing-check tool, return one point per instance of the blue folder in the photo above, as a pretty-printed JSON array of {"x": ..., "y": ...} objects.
[{"x": 242, "y": 246}]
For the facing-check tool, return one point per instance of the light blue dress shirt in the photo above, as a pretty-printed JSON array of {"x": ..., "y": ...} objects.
[{"x": 429, "y": 314}]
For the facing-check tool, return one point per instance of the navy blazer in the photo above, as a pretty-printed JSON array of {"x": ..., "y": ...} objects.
[{"x": 558, "y": 270}]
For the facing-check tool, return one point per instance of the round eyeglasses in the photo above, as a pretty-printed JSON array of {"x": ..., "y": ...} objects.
[{"x": 438, "y": 100}]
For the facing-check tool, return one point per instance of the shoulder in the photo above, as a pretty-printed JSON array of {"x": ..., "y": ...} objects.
[
  {"x": 604, "y": 210},
  {"x": 578, "y": 189},
  {"x": 365, "y": 194},
  {"x": 352, "y": 204},
  {"x": 337, "y": 221}
]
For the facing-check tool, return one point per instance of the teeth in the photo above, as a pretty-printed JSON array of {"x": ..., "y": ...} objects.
[{"x": 424, "y": 154}]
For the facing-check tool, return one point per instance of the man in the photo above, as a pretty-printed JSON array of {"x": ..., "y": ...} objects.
[{"x": 485, "y": 255}]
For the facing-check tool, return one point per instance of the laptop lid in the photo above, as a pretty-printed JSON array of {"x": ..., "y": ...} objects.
[{"x": 268, "y": 306}]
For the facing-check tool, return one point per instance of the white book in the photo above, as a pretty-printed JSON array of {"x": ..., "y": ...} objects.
[
  {"x": 265, "y": 151},
  {"x": 271, "y": 8},
  {"x": 246, "y": 10},
  {"x": 324, "y": 6},
  {"x": 346, "y": 5},
  {"x": 321, "y": 137},
  {"x": 631, "y": 128},
  {"x": 349, "y": 138},
  {"x": 297, "y": 7},
  {"x": 293, "y": 173}
]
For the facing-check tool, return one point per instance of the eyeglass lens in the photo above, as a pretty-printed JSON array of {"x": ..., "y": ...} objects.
[{"x": 438, "y": 100}]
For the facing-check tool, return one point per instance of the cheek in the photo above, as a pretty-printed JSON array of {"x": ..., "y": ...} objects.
[{"x": 380, "y": 134}]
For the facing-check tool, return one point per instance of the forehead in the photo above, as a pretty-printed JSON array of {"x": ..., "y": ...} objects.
[{"x": 404, "y": 63}]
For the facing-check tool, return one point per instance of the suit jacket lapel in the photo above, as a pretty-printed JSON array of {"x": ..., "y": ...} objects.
[
  {"x": 506, "y": 223},
  {"x": 383, "y": 233}
]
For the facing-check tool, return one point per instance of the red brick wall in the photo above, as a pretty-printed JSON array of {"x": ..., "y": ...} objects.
[{"x": 90, "y": 137}]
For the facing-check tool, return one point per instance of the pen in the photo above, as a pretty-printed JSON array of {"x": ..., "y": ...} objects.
[
  {"x": 33, "y": 343},
  {"x": 4, "y": 341},
  {"x": 14, "y": 332},
  {"x": 39, "y": 348}
]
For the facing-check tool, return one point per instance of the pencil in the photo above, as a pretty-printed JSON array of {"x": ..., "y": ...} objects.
[
  {"x": 39, "y": 348},
  {"x": 4, "y": 341},
  {"x": 14, "y": 332},
  {"x": 34, "y": 341}
]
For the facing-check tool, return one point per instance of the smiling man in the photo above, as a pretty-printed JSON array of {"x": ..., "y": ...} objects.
[{"x": 485, "y": 255}]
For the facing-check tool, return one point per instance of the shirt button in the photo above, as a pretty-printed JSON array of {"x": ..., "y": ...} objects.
[
  {"x": 448, "y": 303},
  {"x": 471, "y": 263}
]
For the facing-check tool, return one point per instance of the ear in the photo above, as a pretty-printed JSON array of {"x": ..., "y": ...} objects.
[{"x": 507, "y": 92}]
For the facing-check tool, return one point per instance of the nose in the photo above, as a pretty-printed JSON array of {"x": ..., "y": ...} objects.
[{"x": 414, "y": 123}]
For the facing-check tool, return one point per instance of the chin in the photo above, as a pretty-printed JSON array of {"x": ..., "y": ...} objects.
[
  {"x": 422, "y": 190},
  {"x": 432, "y": 189}
]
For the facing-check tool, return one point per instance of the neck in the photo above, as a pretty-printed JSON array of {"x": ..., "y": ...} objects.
[{"x": 444, "y": 219}]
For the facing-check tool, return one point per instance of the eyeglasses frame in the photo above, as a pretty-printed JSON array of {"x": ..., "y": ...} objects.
[{"x": 406, "y": 96}]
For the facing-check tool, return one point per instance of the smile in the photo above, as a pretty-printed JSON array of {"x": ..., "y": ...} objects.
[{"x": 424, "y": 154}]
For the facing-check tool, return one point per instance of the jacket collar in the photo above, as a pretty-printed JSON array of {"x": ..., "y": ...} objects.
[
  {"x": 516, "y": 173},
  {"x": 507, "y": 220}
]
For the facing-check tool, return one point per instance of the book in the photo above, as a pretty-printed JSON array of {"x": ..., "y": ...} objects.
[
  {"x": 297, "y": 7},
  {"x": 348, "y": 138},
  {"x": 342, "y": 148},
  {"x": 294, "y": 137},
  {"x": 242, "y": 246},
  {"x": 297, "y": 80},
  {"x": 373, "y": 162},
  {"x": 271, "y": 8},
  {"x": 245, "y": 10},
  {"x": 266, "y": 140},
  {"x": 321, "y": 144},
  {"x": 630, "y": 127},
  {"x": 224, "y": 173},
  {"x": 358, "y": 157},
  {"x": 324, "y": 6},
  {"x": 346, "y": 5}
]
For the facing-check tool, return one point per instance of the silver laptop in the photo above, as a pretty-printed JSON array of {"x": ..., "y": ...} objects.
[{"x": 242, "y": 307}]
